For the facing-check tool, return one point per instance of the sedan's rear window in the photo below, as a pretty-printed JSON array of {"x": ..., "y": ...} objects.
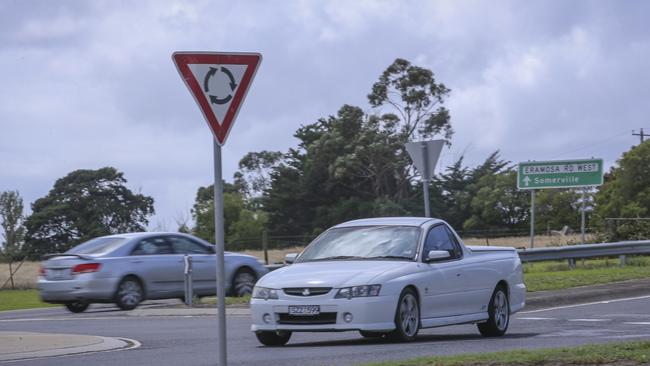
[{"x": 98, "y": 246}]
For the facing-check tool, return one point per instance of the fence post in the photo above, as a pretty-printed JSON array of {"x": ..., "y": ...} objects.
[
  {"x": 572, "y": 263},
  {"x": 11, "y": 275},
  {"x": 623, "y": 260},
  {"x": 265, "y": 245}
]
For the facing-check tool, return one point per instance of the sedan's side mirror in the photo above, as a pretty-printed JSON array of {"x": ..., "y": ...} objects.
[
  {"x": 290, "y": 258},
  {"x": 437, "y": 255}
]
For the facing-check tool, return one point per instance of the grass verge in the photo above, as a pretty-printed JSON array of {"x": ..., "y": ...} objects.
[
  {"x": 629, "y": 353},
  {"x": 557, "y": 275},
  {"x": 29, "y": 299},
  {"x": 21, "y": 299},
  {"x": 244, "y": 300}
]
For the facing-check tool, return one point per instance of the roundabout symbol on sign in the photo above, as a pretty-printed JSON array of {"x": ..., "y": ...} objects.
[{"x": 213, "y": 98}]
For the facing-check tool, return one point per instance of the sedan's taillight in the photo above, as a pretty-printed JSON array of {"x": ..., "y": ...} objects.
[
  {"x": 86, "y": 268},
  {"x": 41, "y": 271}
]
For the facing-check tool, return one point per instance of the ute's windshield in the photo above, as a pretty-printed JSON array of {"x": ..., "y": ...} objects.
[
  {"x": 98, "y": 246},
  {"x": 364, "y": 242}
]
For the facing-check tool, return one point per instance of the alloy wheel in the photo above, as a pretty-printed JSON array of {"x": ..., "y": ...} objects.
[
  {"x": 409, "y": 314},
  {"x": 243, "y": 283}
]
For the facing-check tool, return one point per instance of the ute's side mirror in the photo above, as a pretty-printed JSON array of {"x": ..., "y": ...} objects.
[
  {"x": 290, "y": 258},
  {"x": 434, "y": 255}
]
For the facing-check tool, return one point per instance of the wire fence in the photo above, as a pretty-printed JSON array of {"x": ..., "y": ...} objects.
[
  {"x": 517, "y": 237},
  {"x": 271, "y": 247}
]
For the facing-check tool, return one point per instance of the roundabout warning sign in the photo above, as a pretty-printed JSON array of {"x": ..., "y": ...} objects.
[{"x": 219, "y": 83}]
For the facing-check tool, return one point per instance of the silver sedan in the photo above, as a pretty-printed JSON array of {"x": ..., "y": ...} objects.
[{"x": 129, "y": 268}]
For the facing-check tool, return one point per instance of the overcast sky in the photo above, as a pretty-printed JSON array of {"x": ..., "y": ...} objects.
[{"x": 88, "y": 84}]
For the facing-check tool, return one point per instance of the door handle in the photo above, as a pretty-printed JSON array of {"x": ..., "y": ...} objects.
[
  {"x": 459, "y": 274},
  {"x": 137, "y": 261}
]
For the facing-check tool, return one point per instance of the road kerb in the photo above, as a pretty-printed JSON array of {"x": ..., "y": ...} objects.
[{"x": 19, "y": 346}]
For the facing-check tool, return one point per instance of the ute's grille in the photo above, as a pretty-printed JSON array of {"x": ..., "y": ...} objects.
[
  {"x": 322, "y": 318},
  {"x": 307, "y": 291}
]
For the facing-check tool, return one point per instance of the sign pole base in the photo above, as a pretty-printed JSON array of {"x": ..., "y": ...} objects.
[{"x": 532, "y": 218}]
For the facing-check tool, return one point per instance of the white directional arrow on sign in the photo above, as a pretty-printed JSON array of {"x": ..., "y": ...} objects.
[{"x": 526, "y": 180}]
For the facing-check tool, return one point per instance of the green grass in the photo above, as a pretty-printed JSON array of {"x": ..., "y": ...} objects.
[
  {"x": 21, "y": 299},
  {"x": 229, "y": 300},
  {"x": 629, "y": 353},
  {"x": 537, "y": 276},
  {"x": 29, "y": 299},
  {"x": 557, "y": 275}
]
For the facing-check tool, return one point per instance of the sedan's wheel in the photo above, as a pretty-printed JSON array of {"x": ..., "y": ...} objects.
[
  {"x": 407, "y": 317},
  {"x": 243, "y": 282},
  {"x": 268, "y": 338},
  {"x": 129, "y": 294},
  {"x": 499, "y": 311},
  {"x": 371, "y": 334},
  {"x": 77, "y": 306}
]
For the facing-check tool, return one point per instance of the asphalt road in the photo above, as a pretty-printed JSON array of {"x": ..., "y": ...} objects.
[{"x": 191, "y": 340}]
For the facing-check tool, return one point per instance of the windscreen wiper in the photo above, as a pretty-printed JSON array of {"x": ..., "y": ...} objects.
[
  {"x": 389, "y": 257},
  {"x": 335, "y": 258}
]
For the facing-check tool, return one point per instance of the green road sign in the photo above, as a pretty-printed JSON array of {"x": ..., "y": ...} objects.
[{"x": 560, "y": 174}]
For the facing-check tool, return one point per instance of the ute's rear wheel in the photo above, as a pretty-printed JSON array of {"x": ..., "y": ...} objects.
[
  {"x": 77, "y": 306},
  {"x": 129, "y": 294},
  {"x": 499, "y": 312},
  {"x": 269, "y": 338}
]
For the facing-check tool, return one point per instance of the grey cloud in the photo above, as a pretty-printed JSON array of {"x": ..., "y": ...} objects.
[{"x": 88, "y": 84}]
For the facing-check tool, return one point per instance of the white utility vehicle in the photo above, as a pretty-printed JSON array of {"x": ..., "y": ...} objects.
[{"x": 388, "y": 277}]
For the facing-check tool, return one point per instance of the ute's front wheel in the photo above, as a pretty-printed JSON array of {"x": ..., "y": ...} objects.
[
  {"x": 269, "y": 338},
  {"x": 407, "y": 317},
  {"x": 499, "y": 311}
]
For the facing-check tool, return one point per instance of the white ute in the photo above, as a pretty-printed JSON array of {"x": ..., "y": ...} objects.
[{"x": 388, "y": 277}]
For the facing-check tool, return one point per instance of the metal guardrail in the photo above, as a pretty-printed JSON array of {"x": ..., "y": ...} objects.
[{"x": 572, "y": 252}]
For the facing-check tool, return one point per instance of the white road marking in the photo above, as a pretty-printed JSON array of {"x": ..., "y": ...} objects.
[
  {"x": 637, "y": 323},
  {"x": 586, "y": 304},
  {"x": 590, "y": 320},
  {"x": 627, "y": 336},
  {"x": 536, "y": 318}
]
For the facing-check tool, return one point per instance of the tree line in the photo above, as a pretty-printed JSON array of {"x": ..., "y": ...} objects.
[{"x": 352, "y": 164}]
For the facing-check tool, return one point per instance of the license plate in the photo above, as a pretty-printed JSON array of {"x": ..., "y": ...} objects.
[
  {"x": 304, "y": 310},
  {"x": 57, "y": 274}
]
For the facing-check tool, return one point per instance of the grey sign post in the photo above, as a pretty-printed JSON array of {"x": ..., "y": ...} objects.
[
  {"x": 219, "y": 98},
  {"x": 425, "y": 156},
  {"x": 189, "y": 286},
  {"x": 579, "y": 173}
]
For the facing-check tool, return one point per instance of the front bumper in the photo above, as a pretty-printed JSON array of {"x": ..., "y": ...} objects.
[
  {"x": 81, "y": 288},
  {"x": 375, "y": 313}
]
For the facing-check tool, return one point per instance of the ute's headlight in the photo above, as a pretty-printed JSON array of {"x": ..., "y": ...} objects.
[
  {"x": 358, "y": 291},
  {"x": 264, "y": 293}
]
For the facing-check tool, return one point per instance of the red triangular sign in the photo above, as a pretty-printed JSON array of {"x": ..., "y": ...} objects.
[{"x": 219, "y": 83}]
